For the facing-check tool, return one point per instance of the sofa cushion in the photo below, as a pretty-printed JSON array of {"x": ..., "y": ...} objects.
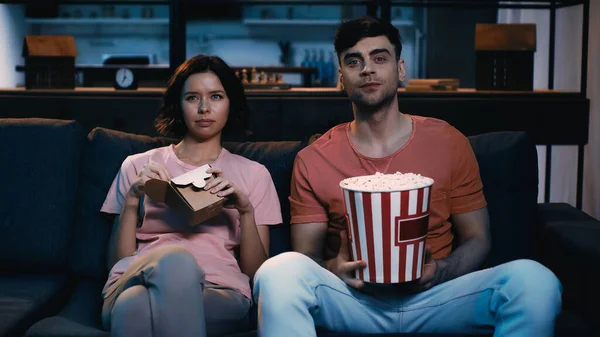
[
  {"x": 25, "y": 299},
  {"x": 508, "y": 167},
  {"x": 80, "y": 317},
  {"x": 40, "y": 166},
  {"x": 278, "y": 158},
  {"x": 104, "y": 152}
]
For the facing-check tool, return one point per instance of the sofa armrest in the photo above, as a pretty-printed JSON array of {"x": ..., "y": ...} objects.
[
  {"x": 559, "y": 211},
  {"x": 571, "y": 250}
]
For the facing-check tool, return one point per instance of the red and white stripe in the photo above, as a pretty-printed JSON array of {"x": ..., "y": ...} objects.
[{"x": 388, "y": 231}]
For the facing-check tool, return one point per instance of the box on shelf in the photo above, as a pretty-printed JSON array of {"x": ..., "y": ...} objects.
[
  {"x": 49, "y": 62},
  {"x": 504, "y": 56},
  {"x": 433, "y": 84}
]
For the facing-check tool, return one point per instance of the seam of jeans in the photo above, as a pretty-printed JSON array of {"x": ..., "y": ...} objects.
[
  {"x": 151, "y": 311},
  {"x": 387, "y": 307},
  {"x": 439, "y": 303}
]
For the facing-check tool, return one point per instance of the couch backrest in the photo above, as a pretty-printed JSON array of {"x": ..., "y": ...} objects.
[
  {"x": 278, "y": 158},
  {"x": 507, "y": 161},
  {"x": 509, "y": 171},
  {"x": 40, "y": 169},
  {"x": 104, "y": 153}
]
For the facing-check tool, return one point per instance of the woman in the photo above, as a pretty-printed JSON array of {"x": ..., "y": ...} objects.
[{"x": 168, "y": 278}]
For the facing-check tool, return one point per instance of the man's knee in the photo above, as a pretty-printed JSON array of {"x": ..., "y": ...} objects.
[
  {"x": 534, "y": 285},
  {"x": 284, "y": 270},
  {"x": 179, "y": 265}
]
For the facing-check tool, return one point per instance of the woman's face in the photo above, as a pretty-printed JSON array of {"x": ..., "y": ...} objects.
[{"x": 205, "y": 105}]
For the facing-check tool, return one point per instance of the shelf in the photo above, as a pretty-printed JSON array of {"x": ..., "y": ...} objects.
[
  {"x": 108, "y": 2},
  {"x": 464, "y": 93},
  {"x": 531, "y": 4},
  {"x": 105, "y": 27},
  {"x": 101, "y": 21},
  {"x": 301, "y": 2},
  {"x": 311, "y": 22}
]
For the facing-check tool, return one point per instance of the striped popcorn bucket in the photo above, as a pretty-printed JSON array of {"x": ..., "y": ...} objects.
[{"x": 388, "y": 230}]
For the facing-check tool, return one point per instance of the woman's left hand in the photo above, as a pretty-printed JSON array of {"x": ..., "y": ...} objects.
[{"x": 226, "y": 189}]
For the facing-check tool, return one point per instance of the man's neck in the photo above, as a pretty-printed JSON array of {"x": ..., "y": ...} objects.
[
  {"x": 198, "y": 153},
  {"x": 380, "y": 133}
]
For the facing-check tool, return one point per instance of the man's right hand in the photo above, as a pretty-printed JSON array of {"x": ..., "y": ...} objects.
[
  {"x": 149, "y": 171},
  {"x": 343, "y": 267}
]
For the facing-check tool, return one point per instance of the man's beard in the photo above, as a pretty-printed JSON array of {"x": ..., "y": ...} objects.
[{"x": 370, "y": 105}]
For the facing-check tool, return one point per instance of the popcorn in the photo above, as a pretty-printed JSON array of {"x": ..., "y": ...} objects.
[{"x": 380, "y": 182}]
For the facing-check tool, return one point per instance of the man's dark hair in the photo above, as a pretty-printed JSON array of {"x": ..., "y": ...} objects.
[
  {"x": 170, "y": 118},
  {"x": 350, "y": 32}
]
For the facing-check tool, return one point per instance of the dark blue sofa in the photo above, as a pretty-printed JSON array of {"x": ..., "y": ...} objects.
[{"x": 53, "y": 240}]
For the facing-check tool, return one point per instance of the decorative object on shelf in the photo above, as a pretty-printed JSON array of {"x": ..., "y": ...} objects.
[
  {"x": 504, "y": 56},
  {"x": 285, "y": 48},
  {"x": 346, "y": 11},
  {"x": 147, "y": 12},
  {"x": 111, "y": 11},
  {"x": 262, "y": 79},
  {"x": 267, "y": 13},
  {"x": 433, "y": 84},
  {"x": 49, "y": 61},
  {"x": 125, "y": 79},
  {"x": 244, "y": 76}
]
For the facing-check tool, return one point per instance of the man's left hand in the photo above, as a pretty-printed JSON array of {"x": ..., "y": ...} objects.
[{"x": 431, "y": 276}]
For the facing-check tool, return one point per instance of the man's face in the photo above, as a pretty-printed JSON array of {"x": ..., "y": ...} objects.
[{"x": 370, "y": 73}]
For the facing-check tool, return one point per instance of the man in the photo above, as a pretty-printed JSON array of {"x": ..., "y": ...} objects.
[{"x": 296, "y": 292}]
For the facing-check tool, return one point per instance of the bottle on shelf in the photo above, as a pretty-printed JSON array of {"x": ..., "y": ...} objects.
[
  {"x": 322, "y": 67},
  {"x": 305, "y": 60},
  {"x": 333, "y": 69},
  {"x": 315, "y": 63}
]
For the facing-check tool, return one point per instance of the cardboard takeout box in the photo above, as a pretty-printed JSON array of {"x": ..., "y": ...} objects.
[{"x": 185, "y": 195}]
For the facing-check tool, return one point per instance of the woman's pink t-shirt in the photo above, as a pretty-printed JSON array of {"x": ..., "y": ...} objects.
[{"x": 211, "y": 242}]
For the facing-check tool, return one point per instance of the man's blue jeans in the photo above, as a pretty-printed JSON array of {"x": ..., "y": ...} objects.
[{"x": 517, "y": 299}]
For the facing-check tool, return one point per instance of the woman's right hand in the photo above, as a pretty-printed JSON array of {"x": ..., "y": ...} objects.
[{"x": 151, "y": 170}]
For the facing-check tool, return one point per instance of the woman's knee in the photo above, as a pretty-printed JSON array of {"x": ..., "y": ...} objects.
[
  {"x": 132, "y": 302},
  {"x": 178, "y": 265},
  {"x": 176, "y": 257}
]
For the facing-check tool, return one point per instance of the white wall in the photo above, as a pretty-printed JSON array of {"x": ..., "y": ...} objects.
[
  {"x": 591, "y": 174},
  {"x": 567, "y": 75},
  {"x": 12, "y": 31}
]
